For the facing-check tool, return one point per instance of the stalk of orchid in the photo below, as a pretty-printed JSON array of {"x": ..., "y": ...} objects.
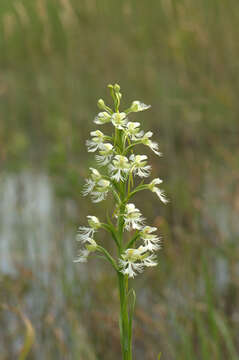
[{"x": 120, "y": 168}]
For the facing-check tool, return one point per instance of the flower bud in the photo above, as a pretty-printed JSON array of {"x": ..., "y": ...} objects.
[
  {"x": 95, "y": 175},
  {"x": 101, "y": 104},
  {"x": 94, "y": 222},
  {"x": 92, "y": 246},
  {"x": 116, "y": 88}
]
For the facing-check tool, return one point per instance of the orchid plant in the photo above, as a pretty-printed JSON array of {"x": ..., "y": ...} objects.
[{"x": 119, "y": 169}]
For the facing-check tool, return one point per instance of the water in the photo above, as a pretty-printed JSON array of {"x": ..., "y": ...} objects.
[
  {"x": 30, "y": 224},
  {"x": 37, "y": 248}
]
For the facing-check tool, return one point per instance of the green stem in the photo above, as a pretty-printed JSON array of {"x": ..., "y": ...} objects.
[
  {"x": 112, "y": 231},
  {"x": 132, "y": 241},
  {"x": 125, "y": 314},
  {"x": 139, "y": 188},
  {"x": 125, "y": 330},
  {"x": 124, "y": 318},
  {"x": 130, "y": 147},
  {"x": 131, "y": 315},
  {"x": 108, "y": 257}
]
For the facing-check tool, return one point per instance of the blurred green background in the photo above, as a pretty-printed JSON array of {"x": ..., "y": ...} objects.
[{"x": 56, "y": 59}]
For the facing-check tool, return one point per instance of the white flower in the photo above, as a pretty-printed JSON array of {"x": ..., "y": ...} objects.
[
  {"x": 84, "y": 232},
  {"x": 138, "y": 106},
  {"x": 102, "y": 118},
  {"x": 96, "y": 186},
  {"x": 119, "y": 120},
  {"x": 106, "y": 154},
  {"x": 88, "y": 187},
  {"x": 94, "y": 222},
  {"x": 131, "y": 262},
  {"x": 139, "y": 165},
  {"x": 132, "y": 130},
  {"x": 151, "y": 242},
  {"x": 134, "y": 260},
  {"x": 132, "y": 217},
  {"x": 100, "y": 190},
  {"x": 95, "y": 176},
  {"x": 145, "y": 139},
  {"x": 91, "y": 246},
  {"x": 97, "y": 140},
  {"x": 82, "y": 257},
  {"x": 130, "y": 268},
  {"x": 152, "y": 186},
  {"x": 150, "y": 260},
  {"x": 119, "y": 167}
]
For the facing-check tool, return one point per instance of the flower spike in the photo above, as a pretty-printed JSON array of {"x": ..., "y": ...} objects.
[{"x": 119, "y": 163}]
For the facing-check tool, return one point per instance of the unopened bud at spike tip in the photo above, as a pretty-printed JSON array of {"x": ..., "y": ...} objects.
[
  {"x": 101, "y": 104},
  {"x": 116, "y": 88}
]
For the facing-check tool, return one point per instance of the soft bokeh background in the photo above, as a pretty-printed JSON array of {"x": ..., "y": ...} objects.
[{"x": 56, "y": 59}]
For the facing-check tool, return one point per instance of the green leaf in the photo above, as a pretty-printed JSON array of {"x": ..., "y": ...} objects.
[{"x": 225, "y": 332}]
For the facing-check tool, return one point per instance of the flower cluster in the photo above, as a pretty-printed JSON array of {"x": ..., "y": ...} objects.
[{"x": 115, "y": 155}]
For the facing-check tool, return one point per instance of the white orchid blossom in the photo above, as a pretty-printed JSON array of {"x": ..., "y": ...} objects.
[
  {"x": 84, "y": 232},
  {"x": 133, "y": 261},
  {"x": 90, "y": 246},
  {"x": 106, "y": 153},
  {"x": 91, "y": 182},
  {"x": 94, "y": 222},
  {"x": 153, "y": 187},
  {"x": 96, "y": 142},
  {"x": 96, "y": 186},
  {"x": 82, "y": 256},
  {"x": 151, "y": 241},
  {"x": 150, "y": 260},
  {"x": 133, "y": 218},
  {"x": 145, "y": 139},
  {"x": 137, "y": 106},
  {"x": 139, "y": 165},
  {"x": 100, "y": 191},
  {"x": 119, "y": 120},
  {"x": 130, "y": 263},
  {"x": 119, "y": 168},
  {"x": 132, "y": 130},
  {"x": 102, "y": 118}
]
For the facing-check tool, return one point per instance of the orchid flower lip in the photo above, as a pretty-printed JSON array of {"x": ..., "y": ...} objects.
[
  {"x": 133, "y": 218},
  {"x": 139, "y": 165},
  {"x": 119, "y": 167}
]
